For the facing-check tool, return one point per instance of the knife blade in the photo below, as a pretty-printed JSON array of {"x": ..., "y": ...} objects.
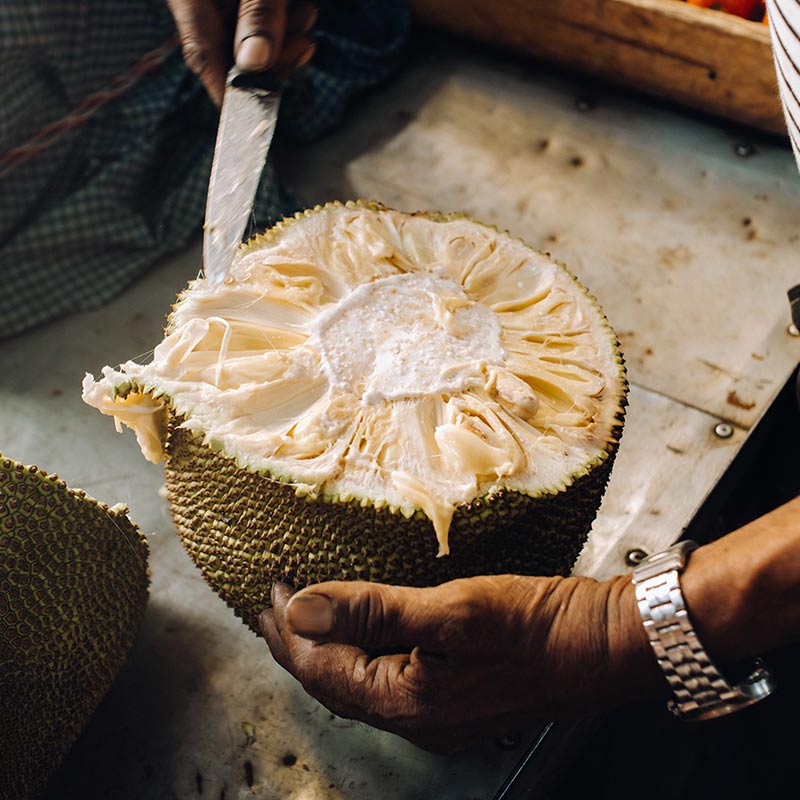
[{"x": 246, "y": 127}]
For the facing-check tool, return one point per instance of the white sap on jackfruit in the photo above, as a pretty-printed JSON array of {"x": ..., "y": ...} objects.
[{"x": 397, "y": 360}]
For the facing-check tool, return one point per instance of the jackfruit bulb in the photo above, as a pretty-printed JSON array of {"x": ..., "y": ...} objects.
[
  {"x": 73, "y": 589},
  {"x": 368, "y": 390}
]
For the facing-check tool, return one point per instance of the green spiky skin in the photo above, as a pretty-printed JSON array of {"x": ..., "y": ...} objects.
[
  {"x": 73, "y": 588},
  {"x": 246, "y": 530}
]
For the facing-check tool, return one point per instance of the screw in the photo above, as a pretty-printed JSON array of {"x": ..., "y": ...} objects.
[
  {"x": 792, "y": 330},
  {"x": 723, "y": 430},
  {"x": 584, "y": 104},
  {"x": 744, "y": 149},
  {"x": 509, "y": 742},
  {"x": 635, "y": 556}
]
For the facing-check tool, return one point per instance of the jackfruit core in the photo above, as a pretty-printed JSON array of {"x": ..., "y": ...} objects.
[{"x": 410, "y": 361}]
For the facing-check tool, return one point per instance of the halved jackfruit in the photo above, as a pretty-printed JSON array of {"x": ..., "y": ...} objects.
[
  {"x": 73, "y": 589},
  {"x": 369, "y": 389}
]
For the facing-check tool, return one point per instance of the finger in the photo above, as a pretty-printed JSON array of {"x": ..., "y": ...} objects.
[
  {"x": 259, "y": 34},
  {"x": 269, "y": 630},
  {"x": 290, "y": 650},
  {"x": 202, "y": 34},
  {"x": 280, "y": 594},
  {"x": 374, "y": 616},
  {"x": 351, "y": 684},
  {"x": 390, "y": 692},
  {"x": 301, "y": 17},
  {"x": 273, "y": 619}
]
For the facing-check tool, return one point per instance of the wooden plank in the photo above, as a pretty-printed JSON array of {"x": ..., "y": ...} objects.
[
  {"x": 689, "y": 247},
  {"x": 669, "y": 454},
  {"x": 700, "y": 57}
]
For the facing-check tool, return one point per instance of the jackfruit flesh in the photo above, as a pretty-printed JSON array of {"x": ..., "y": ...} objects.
[
  {"x": 73, "y": 589},
  {"x": 416, "y": 363}
]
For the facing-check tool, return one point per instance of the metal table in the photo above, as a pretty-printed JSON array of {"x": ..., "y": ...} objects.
[{"x": 686, "y": 233}]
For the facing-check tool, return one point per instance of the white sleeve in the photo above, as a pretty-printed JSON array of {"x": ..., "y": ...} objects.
[{"x": 784, "y": 25}]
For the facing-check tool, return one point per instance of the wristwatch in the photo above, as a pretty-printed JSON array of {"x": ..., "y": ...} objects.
[{"x": 699, "y": 689}]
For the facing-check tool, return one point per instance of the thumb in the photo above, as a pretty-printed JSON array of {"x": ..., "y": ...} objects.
[
  {"x": 259, "y": 33},
  {"x": 369, "y": 615}
]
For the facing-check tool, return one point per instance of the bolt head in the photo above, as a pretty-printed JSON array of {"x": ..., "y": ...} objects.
[
  {"x": 723, "y": 431},
  {"x": 635, "y": 556}
]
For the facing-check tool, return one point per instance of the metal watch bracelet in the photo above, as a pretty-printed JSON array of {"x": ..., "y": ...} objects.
[{"x": 699, "y": 689}]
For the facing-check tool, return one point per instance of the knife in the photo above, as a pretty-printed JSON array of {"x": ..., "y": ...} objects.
[{"x": 246, "y": 127}]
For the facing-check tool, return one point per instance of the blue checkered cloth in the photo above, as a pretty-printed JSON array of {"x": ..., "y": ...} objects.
[{"x": 85, "y": 217}]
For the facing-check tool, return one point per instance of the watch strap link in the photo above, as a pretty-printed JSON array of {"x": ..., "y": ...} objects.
[{"x": 699, "y": 689}]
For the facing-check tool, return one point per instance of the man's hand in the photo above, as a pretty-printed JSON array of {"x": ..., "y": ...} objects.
[
  {"x": 257, "y": 34},
  {"x": 469, "y": 659}
]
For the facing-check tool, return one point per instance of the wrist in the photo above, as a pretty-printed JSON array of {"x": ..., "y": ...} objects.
[
  {"x": 700, "y": 690},
  {"x": 595, "y": 647},
  {"x": 631, "y": 661}
]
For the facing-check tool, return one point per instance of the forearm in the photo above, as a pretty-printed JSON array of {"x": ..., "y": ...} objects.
[
  {"x": 743, "y": 591},
  {"x": 742, "y": 594}
]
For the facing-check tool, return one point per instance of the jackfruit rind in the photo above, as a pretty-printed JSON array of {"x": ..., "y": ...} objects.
[
  {"x": 245, "y": 530},
  {"x": 73, "y": 589}
]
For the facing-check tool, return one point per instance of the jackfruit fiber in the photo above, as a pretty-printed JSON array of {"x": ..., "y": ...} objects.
[
  {"x": 368, "y": 390},
  {"x": 73, "y": 588}
]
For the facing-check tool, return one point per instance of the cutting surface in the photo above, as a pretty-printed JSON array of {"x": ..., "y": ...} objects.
[{"x": 688, "y": 246}]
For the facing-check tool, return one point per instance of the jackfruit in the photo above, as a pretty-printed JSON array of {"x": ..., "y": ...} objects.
[
  {"x": 368, "y": 390},
  {"x": 73, "y": 588}
]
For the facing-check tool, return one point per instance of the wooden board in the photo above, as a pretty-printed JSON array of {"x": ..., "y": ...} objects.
[
  {"x": 699, "y": 57},
  {"x": 689, "y": 247},
  {"x": 201, "y": 709}
]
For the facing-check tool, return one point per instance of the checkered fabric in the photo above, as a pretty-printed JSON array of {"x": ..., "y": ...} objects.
[{"x": 95, "y": 209}]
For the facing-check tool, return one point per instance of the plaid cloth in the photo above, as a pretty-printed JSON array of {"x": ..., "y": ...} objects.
[{"x": 86, "y": 216}]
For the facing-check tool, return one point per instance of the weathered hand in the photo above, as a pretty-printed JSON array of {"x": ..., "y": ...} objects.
[
  {"x": 472, "y": 658},
  {"x": 258, "y": 34}
]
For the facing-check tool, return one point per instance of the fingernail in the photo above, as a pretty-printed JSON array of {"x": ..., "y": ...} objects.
[
  {"x": 310, "y": 614},
  {"x": 254, "y": 53}
]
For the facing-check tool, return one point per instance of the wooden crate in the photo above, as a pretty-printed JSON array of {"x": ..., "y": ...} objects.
[{"x": 699, "y": 57}]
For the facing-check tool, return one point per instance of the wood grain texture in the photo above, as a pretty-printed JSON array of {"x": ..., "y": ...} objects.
[{"x": 699, "y": 57}]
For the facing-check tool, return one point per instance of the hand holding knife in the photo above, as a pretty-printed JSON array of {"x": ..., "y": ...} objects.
[
  {"x": 269, "y": 35},
  {"x": 271, "y": 41}
]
